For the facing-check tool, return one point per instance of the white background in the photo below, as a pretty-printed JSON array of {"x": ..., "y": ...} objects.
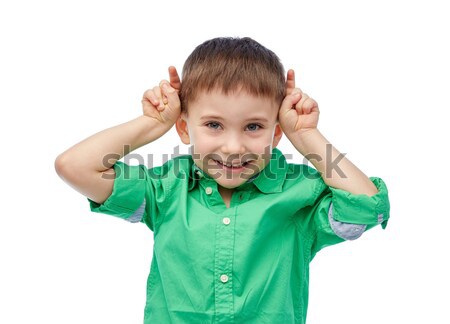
[{"x": 379, "y": 70}]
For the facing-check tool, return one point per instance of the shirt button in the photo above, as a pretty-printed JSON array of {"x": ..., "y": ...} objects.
[
  {"x": 224, "y": 278},
  {"x": 226, "y": 220},
  {"x": 199, "y": 173},
  {"x": 208, "y": 190}
]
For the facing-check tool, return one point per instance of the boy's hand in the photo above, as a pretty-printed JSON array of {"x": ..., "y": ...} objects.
[
  {"x": 298, "y": 112},
  {"x": 162, "y": 102}
]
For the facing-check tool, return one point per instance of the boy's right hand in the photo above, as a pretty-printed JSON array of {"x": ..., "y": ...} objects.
[{"x": 163, "y": 102}]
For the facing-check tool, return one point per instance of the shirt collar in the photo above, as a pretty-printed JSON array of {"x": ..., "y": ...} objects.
[{"x": 269, "y": 180}]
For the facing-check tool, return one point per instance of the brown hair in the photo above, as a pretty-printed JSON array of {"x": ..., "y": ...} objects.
[{"x": 230, "y": 64}]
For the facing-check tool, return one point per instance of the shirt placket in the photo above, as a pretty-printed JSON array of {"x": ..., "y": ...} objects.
[{"x": 223, "y": 267}]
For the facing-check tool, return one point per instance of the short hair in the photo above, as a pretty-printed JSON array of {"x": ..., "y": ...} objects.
[{"x": 230, "y": 64}]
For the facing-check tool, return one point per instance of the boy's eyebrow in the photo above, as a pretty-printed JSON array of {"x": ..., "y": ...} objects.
[
  {"x": 257, "y": 119},
  {"x": 211, "y": 117},
  {"x": 254, "y": 119}
]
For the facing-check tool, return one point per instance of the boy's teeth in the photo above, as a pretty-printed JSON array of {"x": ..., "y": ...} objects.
[{"x": 229, "y": 165}]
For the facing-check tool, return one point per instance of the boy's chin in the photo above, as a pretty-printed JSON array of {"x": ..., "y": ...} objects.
[{"x": 231, "y": 184}]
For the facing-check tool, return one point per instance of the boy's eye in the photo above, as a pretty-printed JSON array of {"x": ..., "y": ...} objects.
[
  {"x": 213, "y": 125},
  {"x": 253, "y": 127}
]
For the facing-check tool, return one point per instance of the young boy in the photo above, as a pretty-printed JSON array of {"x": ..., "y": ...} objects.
[{"x": 235, "y": 226}]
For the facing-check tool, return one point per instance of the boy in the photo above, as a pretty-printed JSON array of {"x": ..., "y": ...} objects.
[{"x": 235, "y": 226}]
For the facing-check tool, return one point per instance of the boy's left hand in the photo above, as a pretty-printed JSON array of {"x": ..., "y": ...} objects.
[{"x": 298, "y": 112}]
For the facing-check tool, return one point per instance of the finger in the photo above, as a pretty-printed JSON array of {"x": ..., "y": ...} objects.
[
  {"x": 290, "y": 101},
  {"x": 159, "y": 95},
  {"x": 290, "y": 81},
  {"x": 310, "y": 105},
  {"x": 301, "y": 101},
  {"x": 300, "y": 105},
  {"x": 150, "y": 96},
  {"x": 306, "y": 105},
  {"x": 163, "y": 96},
  {"x": 174, "y": 78},
  {"x": 170, "y": 93}
]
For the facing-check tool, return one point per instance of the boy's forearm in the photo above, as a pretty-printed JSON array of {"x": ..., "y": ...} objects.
[
  {"x": 336, "y": 170},
  {"x": 100, "y": 151}
]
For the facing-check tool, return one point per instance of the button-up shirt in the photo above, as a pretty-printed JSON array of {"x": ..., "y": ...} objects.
[{"x": 248, "y": 263}]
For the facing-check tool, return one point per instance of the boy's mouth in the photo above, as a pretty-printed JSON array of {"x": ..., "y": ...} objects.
[{"x": 232, "y": 166}]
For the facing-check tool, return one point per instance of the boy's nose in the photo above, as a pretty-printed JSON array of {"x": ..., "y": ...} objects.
[{"x": 233, "y": 145}]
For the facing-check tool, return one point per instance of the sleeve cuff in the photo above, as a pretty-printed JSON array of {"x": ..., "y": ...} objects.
[
  {"x": 127, "y": 200},
  {"x": 362, "y": 209},
  {"x": 346, "y": 231}
]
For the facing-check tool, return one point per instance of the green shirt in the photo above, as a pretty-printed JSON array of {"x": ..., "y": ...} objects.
[{"x": 248, "y": 263}]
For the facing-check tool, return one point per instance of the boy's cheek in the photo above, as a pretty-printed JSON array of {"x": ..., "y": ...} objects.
[
  {"x": 213, "y": 170},
  {"x": 202, "y": 145}
]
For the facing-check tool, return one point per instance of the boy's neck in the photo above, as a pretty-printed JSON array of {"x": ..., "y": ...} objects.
[{"x": 226, "y": 195}]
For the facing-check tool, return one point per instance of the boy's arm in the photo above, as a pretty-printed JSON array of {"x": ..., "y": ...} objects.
[
  {"x": 88, "y": 165},
  {"x": 336, "y": 170},
  {"x": 299, "y": 117}
]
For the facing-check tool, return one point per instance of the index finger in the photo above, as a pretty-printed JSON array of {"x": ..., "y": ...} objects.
[
  {"x": 175, "y": 81},
  {"x": 290, "y": 81}
]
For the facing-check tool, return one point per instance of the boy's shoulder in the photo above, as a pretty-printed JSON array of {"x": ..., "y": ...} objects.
[
  {"x": 280, "y": 175},
  {"x": 179, "y": 167},
  {"x": 293, "y": 171}
]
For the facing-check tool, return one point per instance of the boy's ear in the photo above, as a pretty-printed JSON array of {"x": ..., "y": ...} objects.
[
  {"x": 277, "y": 135},
  {"x": 182, "y": 129}
]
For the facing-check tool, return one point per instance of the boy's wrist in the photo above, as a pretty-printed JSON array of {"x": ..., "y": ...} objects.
[
  {"x": 151, "y": 129},
  {"x": 309, "y": 142}
]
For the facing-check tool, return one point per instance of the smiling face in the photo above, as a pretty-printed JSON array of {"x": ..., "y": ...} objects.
[{"x": 232, "y": 135}]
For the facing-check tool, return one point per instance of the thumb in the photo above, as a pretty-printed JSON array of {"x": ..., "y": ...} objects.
[{"x": 290, "y": 101}]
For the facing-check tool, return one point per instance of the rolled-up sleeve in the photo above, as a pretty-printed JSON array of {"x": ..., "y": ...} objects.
[
  {"x": 127, "y": 200},
  {"x": 337, "y": 215},
  {"x": 362, "y": 209}
]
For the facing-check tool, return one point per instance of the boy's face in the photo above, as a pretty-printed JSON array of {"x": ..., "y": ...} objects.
[{"x": 232, "y": 135}]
